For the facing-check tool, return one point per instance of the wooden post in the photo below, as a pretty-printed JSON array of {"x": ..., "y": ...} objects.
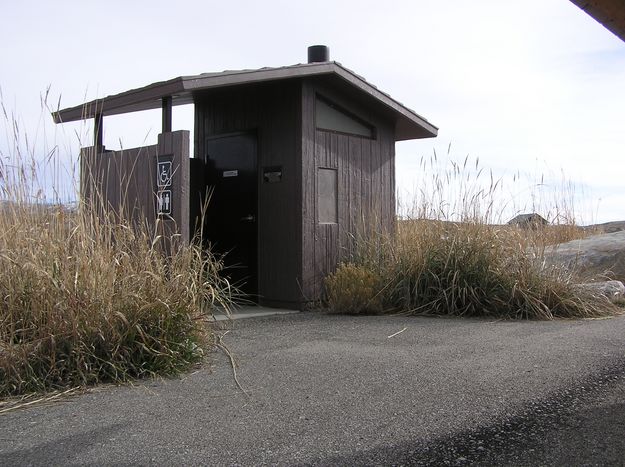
[
  {"x": 166, "y": 114},
  {"x": 98, "y": 131}
]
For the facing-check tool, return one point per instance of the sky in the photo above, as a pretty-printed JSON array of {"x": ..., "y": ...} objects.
[{"x": 531, "y": 89}]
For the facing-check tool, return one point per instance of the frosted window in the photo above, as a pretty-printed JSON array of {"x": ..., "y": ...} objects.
[{"x": 331, "y": 118}]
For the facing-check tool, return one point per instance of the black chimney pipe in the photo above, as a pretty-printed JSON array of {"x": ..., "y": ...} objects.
[{"x": 318, "y": 53}]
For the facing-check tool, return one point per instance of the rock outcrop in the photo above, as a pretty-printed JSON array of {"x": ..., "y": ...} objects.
[
  {"x": 596, "y": 258},
  {"x": 613, "y": 290}
]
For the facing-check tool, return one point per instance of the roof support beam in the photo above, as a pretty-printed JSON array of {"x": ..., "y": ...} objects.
[
  {"x": 166, "y": 100},
  {"x": 98, "y": 131}
]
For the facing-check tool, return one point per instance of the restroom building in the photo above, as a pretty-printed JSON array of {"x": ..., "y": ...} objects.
[{"x": 299, "y": 160}]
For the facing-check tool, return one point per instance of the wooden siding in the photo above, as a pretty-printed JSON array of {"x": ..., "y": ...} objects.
[
  {"x": 366, "y": 184},
  {"x": 272, "y": 110},
  {"x": 119, "y": 182},
  {"x": 123, "y": 183}
]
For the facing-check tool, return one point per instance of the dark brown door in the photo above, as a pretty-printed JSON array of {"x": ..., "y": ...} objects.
[{"x": 231, "y": 224}]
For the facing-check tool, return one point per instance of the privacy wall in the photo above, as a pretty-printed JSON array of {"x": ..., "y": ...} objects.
[{"x": 143, "y": 185}]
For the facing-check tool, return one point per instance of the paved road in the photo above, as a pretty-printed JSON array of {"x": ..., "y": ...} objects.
[{"x": 336, "y": 390}]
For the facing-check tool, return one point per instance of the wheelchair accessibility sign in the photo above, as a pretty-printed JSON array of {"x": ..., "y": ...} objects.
[{"x": 164, "y": 174}]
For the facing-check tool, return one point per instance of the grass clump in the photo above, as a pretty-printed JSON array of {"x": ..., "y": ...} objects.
[
  {"x": 86, "y": 299},
  {"x": 468, "y": 270},
  {"x": 451, "y": 259}
]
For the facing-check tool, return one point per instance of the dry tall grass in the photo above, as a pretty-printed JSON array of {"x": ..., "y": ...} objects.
[
  {"x": 455, "y": 257},
  {"x": 86, "y": 300}
]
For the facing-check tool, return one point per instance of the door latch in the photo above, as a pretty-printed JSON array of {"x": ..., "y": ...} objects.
[{"x": 248, "y": 218}]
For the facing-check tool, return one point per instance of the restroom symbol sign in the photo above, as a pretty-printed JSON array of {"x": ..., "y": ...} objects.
[
  {"x": 164, "y": 174},
  {"x": 163, "y": 203}
]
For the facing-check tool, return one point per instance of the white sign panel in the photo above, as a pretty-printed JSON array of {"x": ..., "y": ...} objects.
[
  {"x": 164, "y": 174},
  {"x": 163, "y": 203}
]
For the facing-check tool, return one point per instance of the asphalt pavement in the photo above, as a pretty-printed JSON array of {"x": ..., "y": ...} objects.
[{"x": 340, "y": 390}]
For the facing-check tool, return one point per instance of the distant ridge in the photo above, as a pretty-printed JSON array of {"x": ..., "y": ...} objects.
[{"x": 607, "y": 227}]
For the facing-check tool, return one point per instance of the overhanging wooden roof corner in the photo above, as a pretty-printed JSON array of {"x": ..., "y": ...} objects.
[
  {"x": 78, "y": 112},
  {"x": 404, "y": 114},
  {"x": 143, "y": 98},
  {"x": 609, "y": 13}
]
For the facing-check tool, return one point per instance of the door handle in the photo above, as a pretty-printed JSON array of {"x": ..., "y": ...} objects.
[{"x": 248, "y": 218}]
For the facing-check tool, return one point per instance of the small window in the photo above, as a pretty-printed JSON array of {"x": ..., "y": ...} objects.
[
  {"x": 327, "y": 196},
  {"x": 332, "y": 118}
]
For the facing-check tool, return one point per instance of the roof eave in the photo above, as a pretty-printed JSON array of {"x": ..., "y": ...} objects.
[
  {"x": 609, "y": 13},
  {"x": 144, "y": 98},
  {"x": 181, "y": 88},
  {"x": 409, "y": 124},
  {"x": 406, "y": 130}
]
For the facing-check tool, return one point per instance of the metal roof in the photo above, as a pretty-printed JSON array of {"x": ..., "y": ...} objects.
[
  {"x": 610, "y": 13},
  {"x": 409, "y": 124}
]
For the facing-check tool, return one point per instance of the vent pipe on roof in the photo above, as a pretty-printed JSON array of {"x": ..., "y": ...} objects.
[{"x": 318, "y": 53}]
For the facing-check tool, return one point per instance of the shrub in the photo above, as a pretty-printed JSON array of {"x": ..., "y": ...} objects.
[{"x": 354, "y": 290}]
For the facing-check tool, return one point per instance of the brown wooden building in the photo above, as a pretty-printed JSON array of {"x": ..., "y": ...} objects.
[{"x": 300, "y": 159}]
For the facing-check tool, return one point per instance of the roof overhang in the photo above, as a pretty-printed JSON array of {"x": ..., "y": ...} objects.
[
  {"x": 409, "y": 124},
  {"x": 610, "y": 13}
]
